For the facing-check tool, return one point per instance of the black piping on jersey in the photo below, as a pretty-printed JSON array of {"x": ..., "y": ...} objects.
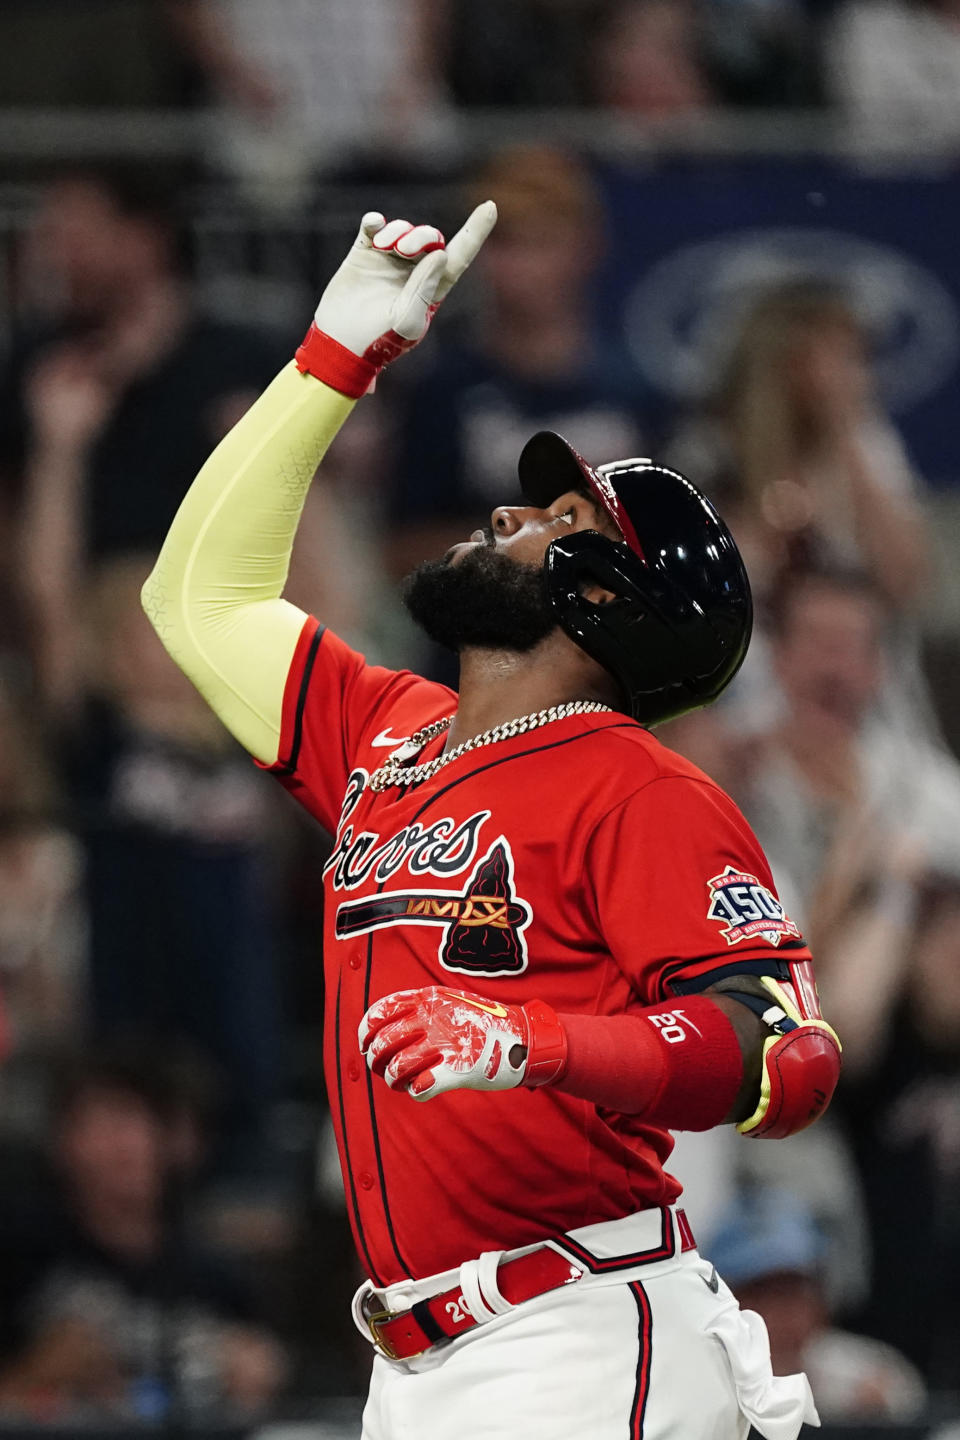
[
  {"x": 598, "y": 1265},
  {"x": 644, "y": 1360},
  {"x": 290, "y": 764},
  {"x": 770, "y": 965},
  {"x": 346, "y": 1148},
  {"x": 371, "y": 1102},
  {"x": 371, "y": 1094}
]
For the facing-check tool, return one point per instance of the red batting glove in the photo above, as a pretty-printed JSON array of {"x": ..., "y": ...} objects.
[
  {"x": 381, "y": 301},
  {"x": 432, "y": 1040}
]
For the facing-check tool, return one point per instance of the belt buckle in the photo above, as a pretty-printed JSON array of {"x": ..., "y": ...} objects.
[{"x": 374, "y": 1319}]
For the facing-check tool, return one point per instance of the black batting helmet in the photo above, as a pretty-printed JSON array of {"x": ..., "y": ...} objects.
[{"x": 678, "y": 629}]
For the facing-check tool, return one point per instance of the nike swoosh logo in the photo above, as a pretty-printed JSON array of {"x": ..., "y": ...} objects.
[
  {"x": 496, "y": 1010},
  {"x": 385, "y": 738},
  {"x": 712, "y": 1281}
]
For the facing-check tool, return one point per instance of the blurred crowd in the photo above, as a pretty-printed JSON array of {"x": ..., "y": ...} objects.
[
  {"x": 319, "y": 81},
  {"x": 172, "y": 1243}
]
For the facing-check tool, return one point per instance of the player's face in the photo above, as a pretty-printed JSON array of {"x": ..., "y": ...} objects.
[
  {"x": 523, "y": 532},
  {"x": 489, "y": 592}
]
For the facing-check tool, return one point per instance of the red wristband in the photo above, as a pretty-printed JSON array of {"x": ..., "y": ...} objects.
[
  {"x": 326, "y": 359},
  {"x": 546, "y": 1044},
  {"x": 679, "y": 1067}
]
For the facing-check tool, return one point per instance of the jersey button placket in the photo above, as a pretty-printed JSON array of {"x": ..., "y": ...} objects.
[{"x": 365, "y": 1180}]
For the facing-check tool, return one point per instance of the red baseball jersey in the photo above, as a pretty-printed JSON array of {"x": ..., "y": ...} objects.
[{"x": 583, "y": 864}]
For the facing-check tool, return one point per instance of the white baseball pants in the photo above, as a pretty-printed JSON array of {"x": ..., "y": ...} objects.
[{"x": 659, "y": 1351}]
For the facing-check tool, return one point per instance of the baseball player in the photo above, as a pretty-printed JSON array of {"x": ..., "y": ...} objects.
[{"x": 549, "y": 940}]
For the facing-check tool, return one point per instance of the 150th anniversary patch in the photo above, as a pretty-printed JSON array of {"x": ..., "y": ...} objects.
[{"x": 747, "y": 909}]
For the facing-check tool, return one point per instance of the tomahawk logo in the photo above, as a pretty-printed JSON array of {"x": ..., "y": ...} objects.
[
  {"x": 747, "y": 909},
  {"x": 482, "y": 924}
]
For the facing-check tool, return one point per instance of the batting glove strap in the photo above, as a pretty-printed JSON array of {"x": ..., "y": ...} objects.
[
  {"x": 326, "y": 359},
  {"x": 546, "y": 1045}
]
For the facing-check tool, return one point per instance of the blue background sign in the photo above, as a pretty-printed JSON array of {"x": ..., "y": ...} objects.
[{"x": 690, "y": 244}]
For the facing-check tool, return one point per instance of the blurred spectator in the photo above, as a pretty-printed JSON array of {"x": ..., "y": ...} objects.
[
  {"x": 535, "y": 364},
  {"x": 894, "y": 66},
  {"x": 797, "y": 451},
  {"x": 818, "y": 1167},
  {"x": 802, "y": 460},
  {"x": 124, "y": 390},
  {"x": 109, "y": 1312},
  {"x": 771, "y": 1255},
  {"x": 312, "y": 83},
  {"x": 851, "y": 815},
  {"x": 178, "y": 831},
  {"x": 902, "y": 1108},
  {"x": 113, "y": 399},
  {"x": 649, "y": 59},
  {"x": 858, "y": 820},
  {"x": 811, "y": 780}
]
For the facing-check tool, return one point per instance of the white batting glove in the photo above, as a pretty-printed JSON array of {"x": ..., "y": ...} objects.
[
  {"x": 382, "y": 299},
  {"x": 437, "y": 1039}
]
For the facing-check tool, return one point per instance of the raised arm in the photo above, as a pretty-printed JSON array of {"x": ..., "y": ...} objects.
[{"x": 214, "y": 595}]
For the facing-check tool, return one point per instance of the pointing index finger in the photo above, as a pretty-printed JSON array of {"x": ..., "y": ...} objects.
[{"x": 463, "y": 249}]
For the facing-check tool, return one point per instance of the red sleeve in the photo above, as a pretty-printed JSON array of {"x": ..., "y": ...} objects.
[
  {"x": 333, "y": 703},
  {"x": 683, "y": 892}
]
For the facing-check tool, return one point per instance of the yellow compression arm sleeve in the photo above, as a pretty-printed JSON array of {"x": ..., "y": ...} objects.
[{"x": 214, "y": 594}]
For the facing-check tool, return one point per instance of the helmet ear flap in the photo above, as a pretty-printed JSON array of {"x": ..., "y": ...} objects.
[
  {"x": 601, "y": 628},
  {"x": 582, "y": 564},
  {"x": 653, "y": 638}
]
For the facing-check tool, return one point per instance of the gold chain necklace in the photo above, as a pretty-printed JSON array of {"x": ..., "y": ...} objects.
[{"x": 397, "y": 770}]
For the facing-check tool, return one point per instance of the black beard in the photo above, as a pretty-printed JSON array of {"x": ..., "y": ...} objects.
[{"x": 484, "y": 601}]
